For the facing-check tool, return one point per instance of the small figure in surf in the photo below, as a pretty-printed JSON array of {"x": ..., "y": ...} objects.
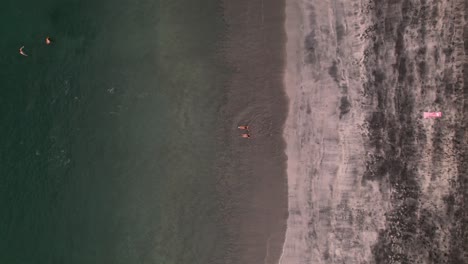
[
  {"x": 48, "y": 40},
  {"x": 22, "y": 52},
  {"x": 245, "y": 127}
]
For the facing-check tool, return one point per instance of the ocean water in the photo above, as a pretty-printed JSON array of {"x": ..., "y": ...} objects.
[{"x": 106, "y": 138}]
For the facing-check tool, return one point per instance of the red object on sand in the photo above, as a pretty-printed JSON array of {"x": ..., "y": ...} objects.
[{"x": 432, "y": 114}]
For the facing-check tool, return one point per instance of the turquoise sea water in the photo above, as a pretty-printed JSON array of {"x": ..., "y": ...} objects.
[{"x": 105, "y": 153}]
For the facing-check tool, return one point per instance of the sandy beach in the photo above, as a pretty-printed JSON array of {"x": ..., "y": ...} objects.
[{"x": 370, "y": 180}]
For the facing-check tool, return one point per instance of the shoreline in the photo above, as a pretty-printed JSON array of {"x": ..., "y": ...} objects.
[{"x": 293, "y": 22}]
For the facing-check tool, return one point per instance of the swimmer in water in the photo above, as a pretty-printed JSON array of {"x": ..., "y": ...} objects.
[
  {"x": 48, "y": 41},
  {"x": 22, "y": 52},
  {"x": 245, "y": 135},
  {"x": 243, "y": 127}
]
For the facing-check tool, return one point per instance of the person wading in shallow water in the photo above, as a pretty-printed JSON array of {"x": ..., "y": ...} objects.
[
  {"x": 48, "y": 41},
  {"x": 245, "y": 135},
  {"x": 22, "y": 52}
]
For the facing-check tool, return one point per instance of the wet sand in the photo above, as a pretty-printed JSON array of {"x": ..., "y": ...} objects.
[
  {"x": 253, "y": 171},
  {"x": 369, "y": 180}
]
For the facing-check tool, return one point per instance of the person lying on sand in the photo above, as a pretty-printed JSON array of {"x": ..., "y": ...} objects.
[
  {"x": 246, "y": 135},
  {"x": 243, "y": 127},
  {"x": 22, "y": 52}
]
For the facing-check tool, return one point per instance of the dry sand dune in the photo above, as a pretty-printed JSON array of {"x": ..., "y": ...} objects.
[{"x": 369, "y": 180}]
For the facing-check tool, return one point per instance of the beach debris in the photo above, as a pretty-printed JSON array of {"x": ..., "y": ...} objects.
[
  {"x": 432, "y": 114},
  {"x": 243, "y": 127},
  {"x": 22, "y": 52}
]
